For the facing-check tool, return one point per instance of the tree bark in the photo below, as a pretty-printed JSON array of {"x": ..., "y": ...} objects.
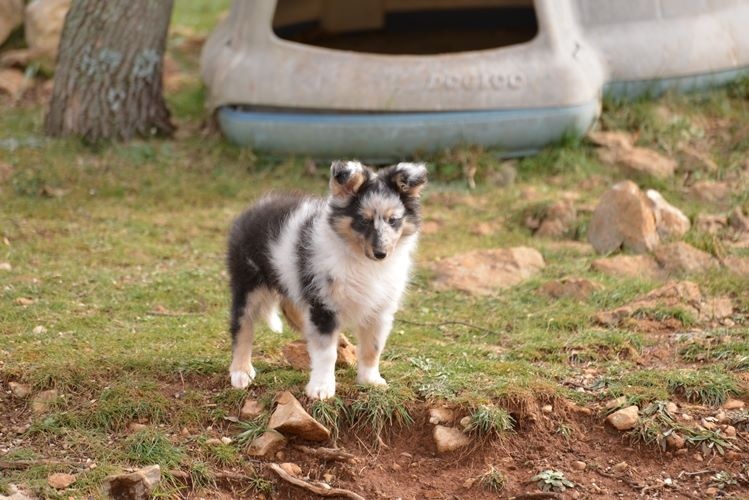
[{"x": 108, "y": 82}]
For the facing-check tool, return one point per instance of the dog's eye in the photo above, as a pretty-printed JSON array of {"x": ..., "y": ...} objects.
[{"x": 394, "y": 220}]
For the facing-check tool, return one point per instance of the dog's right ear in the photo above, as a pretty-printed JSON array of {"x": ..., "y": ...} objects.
[{"x": 346, "y": 177}]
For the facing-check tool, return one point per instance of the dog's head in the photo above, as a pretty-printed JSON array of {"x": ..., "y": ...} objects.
[{"x": 372, "y": 211}]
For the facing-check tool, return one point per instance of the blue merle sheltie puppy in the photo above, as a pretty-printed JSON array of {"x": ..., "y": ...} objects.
[{"x": 327, "y": 264}]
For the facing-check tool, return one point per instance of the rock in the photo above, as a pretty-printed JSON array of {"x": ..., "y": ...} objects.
[
  {"x": 721, "y": 417},
  {"x": 11, "y": 17},
  {"x": 672, "y": 407},
  {"x": 680, "y": 257},
  {"x": 737, "y": 265},
  {"x": 297, "y": 356},
  {"x": 572, "y": 288},
  {"x": 441, "y": 416},
  {"x": 629, "y": 266},
  {"x": 267, "y": 444},
  {"x": 620, "y": 467},
  {"x": 42, "y": 401},
  {"x": 39, "y": 330},
  {"x": 711, "y": 491},
  {"x": 693, "y": 160},
  {"x": 329, "y": 478},
  {"x": 624, "y": 419},
  {"x": 449, "y": 439},
  {"x": 43, "y": 26},
  {"x": 465, "y": 421},
  {"x": 670, "y": 222},
  {"x": 60, "y": 481},
  {"x": 611, "y": 139},
  {"x": 226, "y": 440},
  {"x": 738, "y": 221},
  {"x": 616, "y": 403},
  {"x": 19, "y": 390},
  {"x": 635, "y": 160},
  {"x": 13, "y": 82},
  {"x": 468, "y": 483},
  {"x": 136, "y": 427},
  {"x": 579, "y": 465},
  {"x": 558, "y": 220},
  {"x": 289, "y": 418},
  {"x": 5, "y": 266},
  {"x": 291, "y": 468},
  {"x": 213, "y": 442},
  {"x": 547, "y": 408},
  {"x": 15, "y": 493},
  {"x": 730, "y": 431},
  {"x": 623, "y": 218},
  {"x": 733, "y": 404},
  {"x": 683, "y": 295},
  {"x": 251, "y": 409},
  {"x": 710, "y": 223},
  {"x": 483, "y": 272},
  {"x": 136, "y": 485},
  {"x": 675, "y": 441},
  {"x": 711, "y": 192}
]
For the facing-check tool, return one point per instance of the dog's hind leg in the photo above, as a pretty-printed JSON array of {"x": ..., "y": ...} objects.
[
  {"x": 245, "y": 311},
  {"x": 273, "y": 319}
]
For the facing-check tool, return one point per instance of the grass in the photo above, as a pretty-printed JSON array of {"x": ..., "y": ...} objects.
[{"x": 120, "y": 249}]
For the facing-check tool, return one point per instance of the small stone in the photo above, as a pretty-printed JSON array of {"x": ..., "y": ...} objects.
[
  {"x": 670, "y": 222},
  {"x": 449, "y": 439},
  {"x": 680, "y": 452},
  {"x": 711, "y": 192},
  {"x": 38, "y": 330},
  {"x": 579, "y": 465},
  {"x": 687, "y": 417},
  {"x": 711, "y": 491},
  {"x": 623, "y": 218},
  {"x": 620, "y": 467},
  {"x": 672, "y": 407},
  {"x": 19, "y": 390},
  {"x": 136, "y": 485},
  {"x": 624, "y": 419},
  {"x": 733, "y": 404},
  {"x": 468, "y": 483},
  {"x": 732, "y": 455},
  {"x": 573, "y": 288},
  {"x": 136, "y": 427},
  {"x": 616, "y": 403},
  {"x": 213, "y": 441},
  {"x": 226, "y": 440},
  {"x": 547, "y": 408},
  {"x": 280, "y": 456},
  {"x": 675, "y": 441},
  {"x": 721, "y": 417},
  {"x": 441, "y": 416},
  {"x": 629, "y": 266},
  {"x": 185, "y": 431},
  {"x": 43, "y": 400},
  {"x": 465, "y": 421},
  {"x": 60, "y": 481},
  {"x": 395, "y": 466},
  {"x": 25, "y": 301},
  {"x": 328, "y": 477},
  {"x": 637, "y": 160},
  {"x": 5, "y": 266},
  {"x": 730, "y": 431},
  {"x": 698, "y": 457},
  {"x": 251, "y": 409},
  {"x": 292, "y": 469},
  {"x": 290, "y": 417},
  {"x": 266, "y": 445}
]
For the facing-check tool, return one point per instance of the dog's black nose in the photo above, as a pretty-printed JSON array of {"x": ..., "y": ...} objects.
[{"x": 380, "y": 255}]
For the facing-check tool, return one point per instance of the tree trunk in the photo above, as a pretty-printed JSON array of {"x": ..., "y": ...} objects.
[{"x": 109, "y": 70}]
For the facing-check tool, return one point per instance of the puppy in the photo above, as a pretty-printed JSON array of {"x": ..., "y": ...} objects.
[{"x": 340, "y": 262}]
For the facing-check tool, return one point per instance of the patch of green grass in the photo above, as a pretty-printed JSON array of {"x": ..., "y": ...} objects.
[
  {"x": 223, "y": 454},
  {"x": 119, "y": 405},
  {"x": 331, "y": 413},
  {"x": 149, "y": 447},
  {"x": 251, "y": 430},
  {"x": 708, "y": 387},
  {"x": 493, "y": 480},
  {"x": 489, "y": 420},
  {"x": 377, "y": 409}
]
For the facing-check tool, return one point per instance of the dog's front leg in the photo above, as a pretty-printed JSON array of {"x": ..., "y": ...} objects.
[
  {"x": 372, "y": 337},
  {"x": 322, "y": 345}
]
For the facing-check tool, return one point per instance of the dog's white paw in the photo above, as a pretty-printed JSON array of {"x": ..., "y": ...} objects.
[
  {"x": 320, "y": 389},
  {"x": 274, "y": 323},
  {"x": 370, "y": 376},
  {"x": 241, "y": 379}
]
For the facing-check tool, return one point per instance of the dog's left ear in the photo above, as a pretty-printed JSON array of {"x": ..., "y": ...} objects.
[{"x": 408, "y": 178}]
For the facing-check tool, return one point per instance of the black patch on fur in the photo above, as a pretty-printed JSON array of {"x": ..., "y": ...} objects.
[
  {"x": 321, "y": 316},
  {"x": 248, "y": 254}
]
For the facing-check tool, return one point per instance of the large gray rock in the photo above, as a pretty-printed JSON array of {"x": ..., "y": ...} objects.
[
  {"x": 483, "y": 272},
  {"x": 290, "y": 418},
  {"x": 623, "y": 218}
]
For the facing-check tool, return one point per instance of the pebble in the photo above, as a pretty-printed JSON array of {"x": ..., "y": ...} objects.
[
  {"x": 620, "y": 467},
  {"x": 733, "y": 404},
  {"x": 547, "y": 408},
  {"x": 711, "y": 491},
  {"x": 579, "y": 465},
  {"x": 730, "y": 431}
]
